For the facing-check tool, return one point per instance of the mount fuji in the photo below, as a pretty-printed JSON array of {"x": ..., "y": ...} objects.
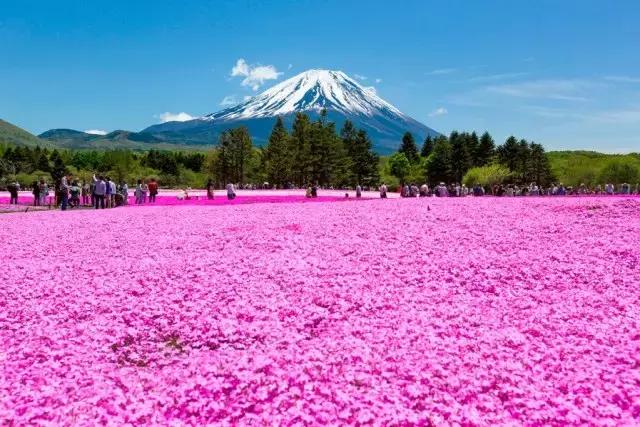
[{"x": 309, "y": 92}]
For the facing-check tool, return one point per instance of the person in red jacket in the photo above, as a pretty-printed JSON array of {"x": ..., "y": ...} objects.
[{"x": 153, "y": 190}]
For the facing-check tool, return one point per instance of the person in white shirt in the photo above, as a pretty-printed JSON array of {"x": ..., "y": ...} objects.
[
  {"x": 383, "y": 191},
  {"x": 231, "y": 191},
  {"x": 99, "y": 190}
]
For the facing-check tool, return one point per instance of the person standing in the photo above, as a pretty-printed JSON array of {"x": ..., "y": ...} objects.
[
  {"x": 231, "y": 191},
  {"x": 383, "y": 191},
  {"x": 74, "y": 201},
  {"x": 13, "y": 189},
  {"x": 99, "y": 192},
  {"x": 124, "y": 190},
  {"x": 358, "y": 191},
  {"x": 138, "y": 192},
  {"x": 153, "y": 190},
  {"x": 145, "y": 190},
  {"x": 210, "y": 189},
  {"x": 64, "y": 193},
  {"x": 36, "y": 193},
  {"x": 44, "y": 191},
  {"x": 86, "y": 190},
  {"x": 107, "y": 192}
]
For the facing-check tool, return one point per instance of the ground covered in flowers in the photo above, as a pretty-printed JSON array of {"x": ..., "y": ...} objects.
[{"x": 446, "y": 311}]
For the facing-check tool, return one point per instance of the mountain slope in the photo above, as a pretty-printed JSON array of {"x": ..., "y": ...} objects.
[
  {"x": 309, "y": 92},
  {"x": 12, "y": 134},
  {"x": 118, "y": 139}
]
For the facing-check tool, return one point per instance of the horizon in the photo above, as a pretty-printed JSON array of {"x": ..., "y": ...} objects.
[{"x": 537, "y": 71}]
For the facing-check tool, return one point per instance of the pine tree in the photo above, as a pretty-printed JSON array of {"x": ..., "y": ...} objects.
[
  {"x": 42, "y": 163},
  {"x": 539, "y": 166},
  {"x": 507, "y": 153},
  {"x": 409, "y": 148},
  {"x": 460, "y": 160},
  {"x": 439, "y": 162},
  {"x": 348, "y": 134},
  {"x": 59, "y": 169},
  {"x": 522, "y": 162},
  {"x": 472, "y": 143},
  {"x": 234, "y": 154},
  {"x": 427, "y": 147},
  {"x": 364, "y": 161},
  {"x": 299, "y": 149},
  {"x": 277, "y": 158},
  {"x": 485, "y": 150}
]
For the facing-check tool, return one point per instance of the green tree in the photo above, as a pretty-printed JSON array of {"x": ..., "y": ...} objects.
[
  {"x": 485, "y": 150},
  {"x": 539, "y": 168},
  {"x": 438, "y": 164},
  {"x": 507, "y": 153},
  {"x": 409, "y": 148},
  {"x": 58, "y": 169},
  {"x": 277, "y": 157},
  {"x": 42, "y": 163},
  {"x": 299, "y": 148},
  {"x": 460, "y": 159},
  {"x": 234, "y": 154},
  {"x": 427, "y": 147},
  {"x": 487, "y": 176},
  {"x": 362, "y": 160},
  {"x": 619, "y": 171},
  {"x": 399, "y": 166}
]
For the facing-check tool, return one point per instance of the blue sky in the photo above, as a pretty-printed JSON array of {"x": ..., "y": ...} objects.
[{"x": 563, "y": 73}]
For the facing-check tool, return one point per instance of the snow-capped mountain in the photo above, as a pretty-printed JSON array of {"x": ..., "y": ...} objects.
[{"x": 310, "y": 92}]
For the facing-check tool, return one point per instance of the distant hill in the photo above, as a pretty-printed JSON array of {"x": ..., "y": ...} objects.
[
  {"x": 118, "y": 139},
  {"x": 576, "y": 167},
  {"x": 12, "y": 134}
]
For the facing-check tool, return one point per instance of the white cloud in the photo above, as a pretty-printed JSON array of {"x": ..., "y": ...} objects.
[
  {"x": 623, "y": 79},
  {"x": 254, "y": 75},
  {"x": 175, "y": 117},
  {"x": 563, "y": 90},
  {"x": 378, "y": 80},
  {"x": 360, "y": 77},
  {"x": 96, "y": 132},
  {"x": 290, "y": 66},
  {"x": 228, "y": 101},
  {"x": 495, "y": 77},
  {"x": 618, "y": 116},
  {"x": 441, "y": 71},
  {"x": 441, "y": 111},
  {"x": 246, "y": 98}
]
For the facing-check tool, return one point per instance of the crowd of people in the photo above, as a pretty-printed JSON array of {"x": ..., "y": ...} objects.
[
  {"x": 512, "y": 190},
  {"x": 101, "y": 192}
]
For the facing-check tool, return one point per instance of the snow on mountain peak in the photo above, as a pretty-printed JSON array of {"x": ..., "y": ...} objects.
[{"x": 311, "y": 90}]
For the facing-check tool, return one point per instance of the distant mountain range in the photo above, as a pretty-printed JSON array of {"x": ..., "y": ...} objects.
[{"x": 310, "y": 92}]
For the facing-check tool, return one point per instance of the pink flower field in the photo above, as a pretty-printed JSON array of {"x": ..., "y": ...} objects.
[{"x": 461, "y": 311}]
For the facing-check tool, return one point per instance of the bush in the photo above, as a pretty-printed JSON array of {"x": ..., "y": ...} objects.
[
  {"x": 618, "y": 171},
  {"x": 487, "y": 176}
]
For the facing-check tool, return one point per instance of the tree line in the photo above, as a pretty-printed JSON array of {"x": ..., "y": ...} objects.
[
  {"x": 450, "y": 159},
  {"x": 314, "y": 151}
]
